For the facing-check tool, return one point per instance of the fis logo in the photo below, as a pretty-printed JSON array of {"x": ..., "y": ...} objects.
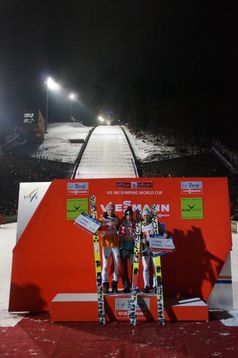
[{"x": 33, "y": 195}]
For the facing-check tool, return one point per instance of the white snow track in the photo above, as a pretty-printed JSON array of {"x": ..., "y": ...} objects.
[{"x": 107, "y": 155}]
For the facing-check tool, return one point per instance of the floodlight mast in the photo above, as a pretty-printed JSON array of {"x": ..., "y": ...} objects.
[
  {"x": 53, "y": 86},
  {"x": 72, "y": 97}
]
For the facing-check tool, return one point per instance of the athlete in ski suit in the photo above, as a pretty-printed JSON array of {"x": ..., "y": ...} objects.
[
  {"x": 110, "y": 246},
  {"x": 126, "y": 236},
  {"x": 147, "y": 230}
]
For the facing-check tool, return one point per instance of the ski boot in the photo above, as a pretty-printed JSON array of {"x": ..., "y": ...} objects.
[
  {"x": 126, "y": 286},
  {"x": 146, "y": 289},
  {"x": 114, "y": 287},
  {"x": 126, "y": 289},
  {"x": 105, "y": 287}
]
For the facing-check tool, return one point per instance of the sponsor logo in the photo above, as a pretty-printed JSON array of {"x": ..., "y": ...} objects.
[
  {"x": 77, "y": 188},
  {"x": 191, "y": 187},
  {"x": 134, "y": 184},
  {"x": 75, "y": 207},
  {"x": 163, "y": 209},
  {"x": 137, "y": 239},
  {"x": 122, "y": 307},
  {"x": 192, "y": 208},
  {"x": 33, "y": 195},
  {"x": 126, "y": 314}
]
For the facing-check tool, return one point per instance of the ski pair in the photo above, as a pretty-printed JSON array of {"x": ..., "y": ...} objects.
[
  {"x": 158, "y": 273},
  {"x": 135, "y": 270},
  {"x": 98, "y": 267}
]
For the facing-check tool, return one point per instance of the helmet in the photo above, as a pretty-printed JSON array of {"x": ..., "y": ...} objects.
[
  {"x": 128, "y": 211},
  {"x": 110, "y": 206},
  {"x": 146, "y": 211}
]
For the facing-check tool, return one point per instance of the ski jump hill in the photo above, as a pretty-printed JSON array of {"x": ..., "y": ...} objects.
[{"x": 53, "y": 262}]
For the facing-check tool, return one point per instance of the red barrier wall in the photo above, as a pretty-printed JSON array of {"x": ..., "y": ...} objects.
[{"x": 54, "y": 256}]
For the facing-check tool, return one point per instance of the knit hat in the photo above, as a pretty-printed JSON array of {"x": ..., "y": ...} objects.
[
  {"x": 110, "y": 206},
  {"x": 146, "y": 211}
]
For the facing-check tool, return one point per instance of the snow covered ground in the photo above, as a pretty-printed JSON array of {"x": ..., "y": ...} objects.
[
  {"x": 59, "y": 142},
  {"x": 232, "y": 321},
  {"x": 149, "y": 147},
  {"x": 7, "y": 243}
]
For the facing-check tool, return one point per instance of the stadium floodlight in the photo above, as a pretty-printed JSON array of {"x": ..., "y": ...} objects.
[
  {"x": 53, "y": 86},
  {"x": 72, "y": 97},
  {"x": 101, "y": 119}
]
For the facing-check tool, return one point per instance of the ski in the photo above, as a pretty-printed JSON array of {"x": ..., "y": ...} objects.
[
  {"x": 135, "y": 270},
  {"x": 158, "y": 272},
  {"x": 98, "y": 267}
]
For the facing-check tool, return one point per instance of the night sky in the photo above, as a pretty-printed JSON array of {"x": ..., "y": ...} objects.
[{"x": 169, "y": 63}]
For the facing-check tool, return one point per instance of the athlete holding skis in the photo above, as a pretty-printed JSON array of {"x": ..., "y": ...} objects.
[
  {"x": 126, "y": 235},
  {"x": 110, "y": 246},
  {"x": 147, "y": 231}
]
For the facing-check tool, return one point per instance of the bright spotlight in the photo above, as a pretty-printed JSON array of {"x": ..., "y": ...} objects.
[
  {"x": 52, "y": 85},
  {"x": 72, "y": 96},
  {"x": 101, "y": 119}
]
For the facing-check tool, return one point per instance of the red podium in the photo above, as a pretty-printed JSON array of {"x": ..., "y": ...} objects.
[
  {"x": 53, "y": 263},
  {"x": 83, "y": 307}
]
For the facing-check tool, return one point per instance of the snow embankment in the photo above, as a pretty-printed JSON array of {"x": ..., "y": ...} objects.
[
  {"x": 63, "y": 141},
  {"x": 148, "y": 147}
]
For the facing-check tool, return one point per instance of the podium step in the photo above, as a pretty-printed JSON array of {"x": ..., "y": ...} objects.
[
  {"x": 76, "y": 307},
  {"x": 190, "y": 309}
]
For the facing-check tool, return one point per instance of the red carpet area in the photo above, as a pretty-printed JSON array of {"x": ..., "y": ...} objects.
[{"x": 37, "y": 336}]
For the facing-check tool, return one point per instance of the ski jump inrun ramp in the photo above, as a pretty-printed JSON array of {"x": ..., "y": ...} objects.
[{"x": 107, "y": 155}]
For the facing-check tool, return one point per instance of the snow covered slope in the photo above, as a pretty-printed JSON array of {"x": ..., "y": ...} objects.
[{"x": 60, "y": 142}]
